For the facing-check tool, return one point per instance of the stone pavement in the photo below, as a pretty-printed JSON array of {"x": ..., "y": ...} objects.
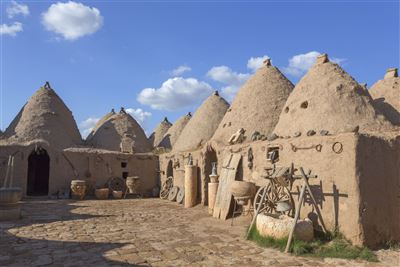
[{"x": 139, "y": 232}]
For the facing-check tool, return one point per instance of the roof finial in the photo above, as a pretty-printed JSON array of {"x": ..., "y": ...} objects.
[
  {"x": 323, "y": 58},
  {"x": 113, "y": 110},
  {"x": 166, "y": 119},
  {"x": 216, "y": 93},
  {"x": 122, "y": 111},
  {"x": 267, "y": 62},
  {"x": 391, "y": 73},
  {"x": 47, "y": 85},
  {"x": 189, "y": 114}
]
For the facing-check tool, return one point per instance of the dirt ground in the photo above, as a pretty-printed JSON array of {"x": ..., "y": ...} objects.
[{"x": 139, "y": 232}]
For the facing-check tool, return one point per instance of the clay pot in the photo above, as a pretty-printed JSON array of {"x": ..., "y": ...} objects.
[
  {"x": 117, "y": 194},
  {"x": 242, "y": 189},
  {"x": 214, "y": 178},
  {"x": 102, "y": 193},
  {"x": 10, "y": 195},
  {"x": 78, "y": 189},
  {"x": 133, "y": 183}
]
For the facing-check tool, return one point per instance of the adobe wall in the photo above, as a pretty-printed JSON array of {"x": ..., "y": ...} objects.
[
  {"x": 102, "y": 166},
  {"x": 378, "y": 166},
  {"x": 341, "y": 176}
]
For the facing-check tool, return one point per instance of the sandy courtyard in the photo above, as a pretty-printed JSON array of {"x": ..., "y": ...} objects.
[{"x": 139, "y": 232}]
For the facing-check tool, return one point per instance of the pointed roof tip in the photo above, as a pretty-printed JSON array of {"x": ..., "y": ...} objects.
[
  {"x": 391, "y": 73},
  {"x": 267, "y": 62},
  {"x": 113, "y": 111},
  {"x": 216, "y": 93},
  {"x": 364, "y": 85},
  {"x": 189, "y": 114},
  {"x": 166, "y": 120},
  {"x": 122, "y": 111},
  {"x": 321, "y": 59},
  {"x": 47, "y": 86}
]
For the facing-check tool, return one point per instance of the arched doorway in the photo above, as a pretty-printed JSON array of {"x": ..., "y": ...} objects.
[
  {"x": 170, "y": 169},
  {"x": 38, "y": 172}
]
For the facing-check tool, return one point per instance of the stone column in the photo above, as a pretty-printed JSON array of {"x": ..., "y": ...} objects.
[
  {"x": 212, "y": 193},
  {"x": 190, "y": 186}
]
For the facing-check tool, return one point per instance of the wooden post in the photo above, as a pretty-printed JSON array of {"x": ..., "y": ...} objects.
[
  {"x": 7, "y": 172},
  {"x": 256, "y": 212},
  {"x": 296, "y": 217},
  {"x": 313, "y": 199}
]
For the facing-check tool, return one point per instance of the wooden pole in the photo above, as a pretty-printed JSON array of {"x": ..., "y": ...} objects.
[
  {"x": 296, "y": 217},
  {"x": 256, "y": 213},
  {"x": 7, "y": 172},
  {"x": 12, "y": 172},
  {"x": 313, "y": 199}
]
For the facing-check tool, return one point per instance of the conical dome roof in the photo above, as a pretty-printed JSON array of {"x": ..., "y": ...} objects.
[
  {"x": 386, "y": 95},
  {"x": 169, "y": 139},
  {"x": 203, "y": 124},
  {"x": 114, "y": 127},
  {"x": 328, "y": 98},
  {"x": 158, "y": 134},
  {"x": 257, "y": 105},
  {"x": 100, "y": 123},
  {"x": 46, "y": 117}
]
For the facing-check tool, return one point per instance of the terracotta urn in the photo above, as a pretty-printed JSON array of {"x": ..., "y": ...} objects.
[
  {"x": 102, "y": 193},
  {"x": 133, "y": 184},
  {"x": 117, "y": 194},
  {"x": 10, "y": 195},
  {"x": 242, "y": 189},
  {"x": 78, "y": 189}
]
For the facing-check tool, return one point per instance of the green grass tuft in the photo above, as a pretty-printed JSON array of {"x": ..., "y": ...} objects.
[{"x": 325, "y": 246}]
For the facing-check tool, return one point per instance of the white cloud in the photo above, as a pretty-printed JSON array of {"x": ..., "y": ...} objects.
[
  {"x": 139, "y": 114},
  {"x": 180, "y": 70},
  {"x": 175, "y": 93},
  {"x": 87, "y": 126},
  {"x": 254, "y": 63},
  {"x": 17, "y": 9},
  {"x": 11, "y": 29},
  {"x": 299, "y": 64},
  {"x": 231, "y": 79},
  {"x": 72, "y": 20}
]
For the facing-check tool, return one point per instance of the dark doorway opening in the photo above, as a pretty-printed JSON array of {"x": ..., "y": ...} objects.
[
  {"x": 210, "y": 159},
  {"x": 170, "y": 169},
  {"x": 38, "y": 173}
]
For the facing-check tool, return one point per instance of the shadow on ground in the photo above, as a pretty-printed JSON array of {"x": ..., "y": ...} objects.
[{"x": 31, "y": 241}]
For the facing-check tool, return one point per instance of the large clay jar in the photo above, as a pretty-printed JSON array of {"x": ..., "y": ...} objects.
[
  {"x": 243, "y": 189},
  {"x": 78, "y": 189},
  {"x": 117, "y": 194},
  {"x": 101, "y": 193},
  {"x": 133, "y": 184},
  {"x": 10, "y": 208}
]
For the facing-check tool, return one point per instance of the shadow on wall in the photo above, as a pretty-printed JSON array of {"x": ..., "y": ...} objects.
[
  {"x": 320, "y": 197},
  {"x": 391, "y": 113},
  {"x": 30, "y": 241}
]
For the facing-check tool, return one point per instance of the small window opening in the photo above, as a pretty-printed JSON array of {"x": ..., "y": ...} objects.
[
  {"x": 273, "y": 154},
  {"x": 286, "y": 109},
  {"x": 125, "y": 175},
  {"x": 124, "y": 164},
  {"x": 304, "y": 104}
]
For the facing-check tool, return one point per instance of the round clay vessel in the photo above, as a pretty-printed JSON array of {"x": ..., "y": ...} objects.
[
  {"x": 117, "y": 194},
  {"x": 102, "y": 193},
  {"x": 133, "y": 183},
  {"x": 10, "y": 195},
  {"x": 242, "y": 189},
  {"x": 78, "y": 189}
]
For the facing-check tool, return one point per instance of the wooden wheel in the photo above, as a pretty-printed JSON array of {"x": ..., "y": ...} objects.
[
  {"x": 275, "y": 194},
  {"x": 259, "y": 200},
  {"x": 166, "y": 187}
]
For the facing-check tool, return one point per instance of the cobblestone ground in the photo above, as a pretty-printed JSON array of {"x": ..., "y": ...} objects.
[{"x": 139, "y": 232}]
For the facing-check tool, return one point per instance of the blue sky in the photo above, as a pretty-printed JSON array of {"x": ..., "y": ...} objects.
[{"x": 163, "y": 58}]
